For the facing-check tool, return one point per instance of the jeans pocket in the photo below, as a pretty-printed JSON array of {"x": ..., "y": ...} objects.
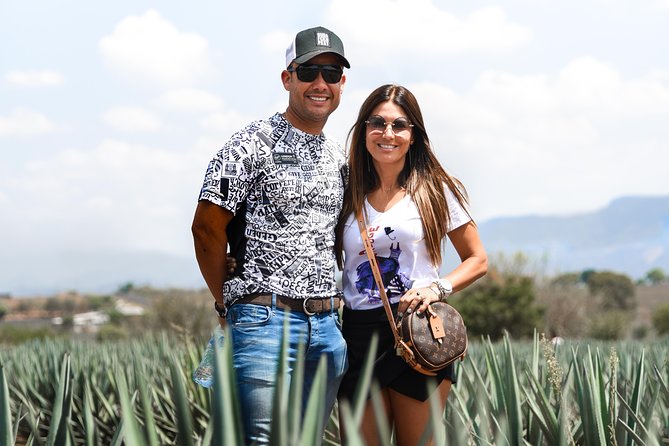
[{"x": 248, "y": 315}]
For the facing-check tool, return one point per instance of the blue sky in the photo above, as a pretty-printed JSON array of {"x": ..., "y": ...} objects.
[{"x": 110, "y": 111}]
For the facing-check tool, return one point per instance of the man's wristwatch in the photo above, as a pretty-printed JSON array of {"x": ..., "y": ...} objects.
[
  {"x": 445, "y": 288},
  {"x": 222, "y": 310}
]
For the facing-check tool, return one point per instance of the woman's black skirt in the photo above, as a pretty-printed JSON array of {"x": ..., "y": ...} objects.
[{"x": 390, "y": 370}]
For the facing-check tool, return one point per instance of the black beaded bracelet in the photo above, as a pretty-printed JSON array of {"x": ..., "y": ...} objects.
[{"x": 221, "y": 311}]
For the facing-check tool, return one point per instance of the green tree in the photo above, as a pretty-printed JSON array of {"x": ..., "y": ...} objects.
[
  {"x": 100, "y": 302},
  {"x": 125, "y": 288},
  {"x": 566, "y": 307},
  {"x": 616, "y": 291},
  {"x": 656, "y": 276},
  {"x": 68, "y": 322},
  {"x": 3, "y": 311},
  {"x": 585, "y": 275},
  {"x": 608, "y": 325},
  {"x": 567, "y": 280},
  {"x": 661, "y": 319},
  {"x": 494, "y": 305},
  {"x": 115, "y": 316}
]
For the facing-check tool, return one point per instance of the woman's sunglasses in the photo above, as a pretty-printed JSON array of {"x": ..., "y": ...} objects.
[
  {"x": 378, "y": 124},
  {"x": 308, "y": 73}
]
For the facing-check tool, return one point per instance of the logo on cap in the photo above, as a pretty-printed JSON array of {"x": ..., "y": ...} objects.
[{"x": 322, "y": 39}]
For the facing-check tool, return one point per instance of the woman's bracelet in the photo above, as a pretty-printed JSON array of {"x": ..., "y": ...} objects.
[{"x": 445, "y": 288}]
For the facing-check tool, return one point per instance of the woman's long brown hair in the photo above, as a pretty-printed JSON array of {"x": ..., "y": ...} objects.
[{"x": 423, "y": 177}]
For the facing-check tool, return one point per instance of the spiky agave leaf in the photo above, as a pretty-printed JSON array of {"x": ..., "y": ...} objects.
[
  {"x": 183, "y": 413},
  {"x": 131, "y": 433},
  {"x": 280, "y": 419},
  {"x": 313, "y": 424},
  {"x": 225, "y": 404},
  {"x": 150, "y": 427},
  {"x": 59, "y": 432},
  {"x": 8, "y": 431}
]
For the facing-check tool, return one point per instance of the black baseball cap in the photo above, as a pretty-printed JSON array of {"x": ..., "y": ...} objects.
[{"x": 312, "y": 42}]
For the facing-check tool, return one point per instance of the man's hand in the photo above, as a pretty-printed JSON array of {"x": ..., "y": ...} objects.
[{"x": 231, "y": 264}]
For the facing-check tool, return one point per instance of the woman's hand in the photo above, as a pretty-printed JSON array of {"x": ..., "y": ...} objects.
[{"x": 417, "y": 299}]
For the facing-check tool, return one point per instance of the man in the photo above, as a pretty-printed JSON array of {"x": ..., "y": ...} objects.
[{"x": 273, "y": 193}]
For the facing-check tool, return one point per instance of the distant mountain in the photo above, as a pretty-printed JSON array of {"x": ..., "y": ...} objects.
[{"x": 630, "y": 236}]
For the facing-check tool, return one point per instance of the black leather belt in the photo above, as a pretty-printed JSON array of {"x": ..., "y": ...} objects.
[{"x": 308, "y": 306}]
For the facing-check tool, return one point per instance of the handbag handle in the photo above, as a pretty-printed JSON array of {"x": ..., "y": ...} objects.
[{"x": 377, "y": 275}]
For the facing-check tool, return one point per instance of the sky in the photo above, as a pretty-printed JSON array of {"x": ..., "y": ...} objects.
[{"x": 111, "y": 111}]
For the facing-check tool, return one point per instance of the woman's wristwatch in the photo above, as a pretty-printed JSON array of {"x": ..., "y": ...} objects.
[{"x": 445, "y": 288}]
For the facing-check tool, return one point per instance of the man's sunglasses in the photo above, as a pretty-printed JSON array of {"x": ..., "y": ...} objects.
[
  {"x": 378, "y": 124},
  {"x": 308, "y": 73}
]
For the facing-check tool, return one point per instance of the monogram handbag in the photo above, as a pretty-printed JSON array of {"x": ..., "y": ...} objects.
[
  {"x": 433, "y": 339},
  {"x": 428, "y": 342}
]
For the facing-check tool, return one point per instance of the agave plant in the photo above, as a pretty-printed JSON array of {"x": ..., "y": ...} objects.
[{"x": 508, "y": 393}]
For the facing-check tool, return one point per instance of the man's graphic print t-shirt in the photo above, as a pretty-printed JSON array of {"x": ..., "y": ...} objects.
[
  {"x": 285, "y": 187},
  {"x": 397, "y": 240}
]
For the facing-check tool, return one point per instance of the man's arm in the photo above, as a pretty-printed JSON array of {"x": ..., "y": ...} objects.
[{"x": 211, "y": 241}]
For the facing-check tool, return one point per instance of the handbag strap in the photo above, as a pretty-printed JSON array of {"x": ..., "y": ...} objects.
[{"x": 377, "y": 274}]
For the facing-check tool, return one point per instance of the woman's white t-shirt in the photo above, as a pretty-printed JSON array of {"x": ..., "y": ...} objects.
[{"x": 397, "y": 239}]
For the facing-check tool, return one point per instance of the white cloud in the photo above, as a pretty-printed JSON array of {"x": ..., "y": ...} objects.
[
  {"x": 554, "y": 144},
  {"x": 152, "y": 50},
  {"x": 653, "y": 253},
  {"x": 276, "y": 41},
  {"x": 43, "y": 78},
  {"x": 190, "y": 100},
  {"x": 116, "y": 196},
  {"x": 23, "y": 122},
  {"x": 224, "y": 123},
  {"x": 132, "y": 120},
  {"x": 423, "y": 28},
  {"x": 587, "y": 82},
  {"x": 659, "y": 75}
]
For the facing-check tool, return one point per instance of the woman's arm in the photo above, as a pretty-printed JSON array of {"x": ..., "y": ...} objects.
[{"x": 474, "y": 265}]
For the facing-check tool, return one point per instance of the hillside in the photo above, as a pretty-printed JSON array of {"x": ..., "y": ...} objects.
[{"x": 630, "y": 235}]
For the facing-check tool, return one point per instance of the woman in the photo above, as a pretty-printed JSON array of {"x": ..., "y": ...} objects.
[{"x": 410, "y": 205}]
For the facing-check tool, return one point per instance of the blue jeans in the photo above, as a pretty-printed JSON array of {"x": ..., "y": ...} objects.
[{"x": 256, "y": 333}]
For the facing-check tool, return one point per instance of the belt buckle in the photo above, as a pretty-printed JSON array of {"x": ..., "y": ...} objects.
[{"x": 304, "y": 307}]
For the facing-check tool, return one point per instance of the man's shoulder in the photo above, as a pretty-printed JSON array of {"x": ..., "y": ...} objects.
[
  {"x": 263, "y": 125},
  {"x": 255, "y": 134}
]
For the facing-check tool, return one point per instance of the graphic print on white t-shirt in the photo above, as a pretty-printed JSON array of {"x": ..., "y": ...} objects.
[
  {"x": 398, "y": 241},
  {"x": 395, "y": 282}
]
